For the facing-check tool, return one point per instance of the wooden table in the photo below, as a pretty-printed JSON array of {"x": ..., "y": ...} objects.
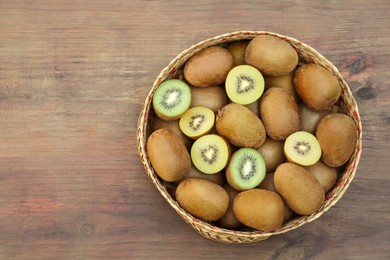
[{"x": 73, "y": 78}]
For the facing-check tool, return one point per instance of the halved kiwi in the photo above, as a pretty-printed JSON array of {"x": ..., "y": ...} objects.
[
  {"x": 246, "y": 169},
  {"x": 197, "y": 121},
  {"x": 210, "y": 153},
  {"x": 244, "y": 84},
  {"x": 171, "y": 99},
  {"x": 302, "y": 148}
]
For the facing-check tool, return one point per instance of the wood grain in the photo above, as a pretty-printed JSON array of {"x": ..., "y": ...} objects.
[{"x": 73, "y": 78}]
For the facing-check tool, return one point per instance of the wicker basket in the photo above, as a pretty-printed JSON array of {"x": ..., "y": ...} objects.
[{"x": 306, "y": 55}]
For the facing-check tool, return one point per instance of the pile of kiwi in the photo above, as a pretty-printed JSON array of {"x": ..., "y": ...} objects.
[{"x": 250, "y": 136}]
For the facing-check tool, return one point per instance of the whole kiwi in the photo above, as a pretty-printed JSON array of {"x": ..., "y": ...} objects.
[
  {"x": 337, "y": 135},
  {"x": 209, "y": 67},
  {"x": 280, "y": 113},
  {"x": 237, "y": 49},
  {"x": 273, "y": 153},
  {"x": 324, "y": 174},
  {"x": 285, "y": 82},
  {"x": 299, "y": 188},
  {"x": 240, "y": 126},
  {"x": 202, "y": 199},
  {"x": 318, "y": 88},
  {"x": 271, "y": 55},
  {"x": 212, "y": 97},
  {"x": 168, "y": 155},
  {"x": 259, "y": 209},
  {"x": 229, "y": 220}
]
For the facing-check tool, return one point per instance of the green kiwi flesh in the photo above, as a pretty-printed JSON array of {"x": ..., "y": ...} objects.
[
  {"x": 246, "y": 169},
  {"x": 171, "y": 99}
]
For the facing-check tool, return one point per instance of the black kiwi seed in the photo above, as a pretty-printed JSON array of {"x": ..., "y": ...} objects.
[
  {"x": 213, "y": 149},
  {"x": 302, "y": 147},
  {"x": 198, "y": 124},
  {"x": 170, "y": 105},
  {"x": 248, "y": 175},
  {"x": 246, "y": 89},
  {"x": 246, "y": 169},
  {"x": 171, "y": 99}
]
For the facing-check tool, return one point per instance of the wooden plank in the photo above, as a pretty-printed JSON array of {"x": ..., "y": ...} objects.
[{"x": 73, "y": 79}]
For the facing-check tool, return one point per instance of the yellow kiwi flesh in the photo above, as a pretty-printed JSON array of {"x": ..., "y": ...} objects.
[
  {"x": 259, "y": 209},
  {"x": 337, "y": 135},
  {"x": 279, "y": 113},
  {"x": 202, "y": 199},
  {"x": 240, "y": 126},
  {"x": 217, "y": 178},
  {"x": 197, "y": 122},
  {"x": 271, "y": 55},
  {"x": 214, "y": 97},
  {"x": 299, "y": 188},
  {"x": 302, "y": 148},
  {"x": 168, "y": 155},
  {"x": 209, "y": 67},
  {"x": 317, "y": 87},
  {"x": 273, "y": 153}
]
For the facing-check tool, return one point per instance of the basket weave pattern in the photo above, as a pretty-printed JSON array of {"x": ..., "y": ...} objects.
[{"x": 306, "y": 55}]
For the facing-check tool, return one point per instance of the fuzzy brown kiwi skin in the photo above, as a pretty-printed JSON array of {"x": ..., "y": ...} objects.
[
  {"x": 237, "y": 49},
  {"x": 309, "y": 118},
  {"x": 240, "y": 126},
  {"x": 202, "y": 198},
  {"x": 214, "y": 97},
  {"x": 299, "y": 188},
  {"x": 273, "y": 153},
  {"x": 259, "y": 209},
  {"x": 209, "y": 67},
  {"x": 337, "y": 135},
  {"x": 168, "y": 155},
  {"x": 285, "y": 82},
  {"x": 268, "y": 184},
  {"x": 158, "y": 123},
  {"x": 324, "y": 174},
  {"x": 229, "y": 220},
  {"x": 279, "y": 113},
  {"x": 318, "y": 88},
  {"x": 271, "y": 55},
  {"x": 254, "y": 107}
]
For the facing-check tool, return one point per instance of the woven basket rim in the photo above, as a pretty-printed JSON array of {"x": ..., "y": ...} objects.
[{"x": 226, "y": 235}]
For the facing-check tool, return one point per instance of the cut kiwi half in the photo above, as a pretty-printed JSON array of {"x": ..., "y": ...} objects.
[
  {"x": 244, "y": 84},
  {"x": 246, "y": 169},
  {"x": 210, "y": 153},
  {"x": 197, "y": 121},
  {"x": 302, "y": 148},
  {"x": 171, "y": 99}
]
